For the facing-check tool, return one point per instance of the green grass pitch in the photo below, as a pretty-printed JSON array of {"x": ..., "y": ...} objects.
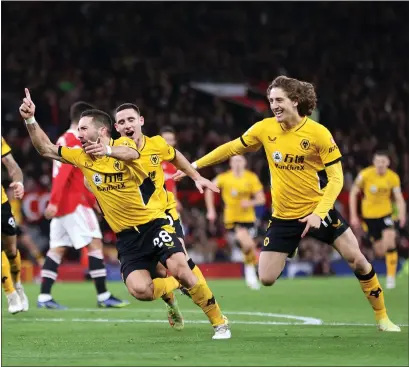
[{"x": 308, "y": 322}]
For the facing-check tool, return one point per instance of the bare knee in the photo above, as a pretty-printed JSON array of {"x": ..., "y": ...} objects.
[
  {"x": 359, "y": 264},
  {"x": 267, "y": 281},
  {"x": 160, "y": 271},
  {"x": 95, "y": 245},
  {"x": 141, "y": 290}
]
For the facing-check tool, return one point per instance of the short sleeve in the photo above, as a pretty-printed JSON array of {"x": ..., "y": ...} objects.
[
  {"x": 251, "y": 138},
  {"x": 395, "y": 181},
  {"x": 70, "y": 155},
  {"x": 167, "y": 152},
  {"x": 360, "y": 179},
  {"x": 327, "y": 148},
  {"x": 218, "y": 180},
  {"x": 256, "y": 185},
  {"x": 5, "y": 148}
]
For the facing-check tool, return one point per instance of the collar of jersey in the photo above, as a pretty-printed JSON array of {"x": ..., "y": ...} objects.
[
  {"x": 297, "y": 127},
  {"x": 144, "y": 143}
]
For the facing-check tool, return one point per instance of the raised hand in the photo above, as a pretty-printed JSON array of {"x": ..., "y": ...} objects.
[{"x": 27, "y": 109}]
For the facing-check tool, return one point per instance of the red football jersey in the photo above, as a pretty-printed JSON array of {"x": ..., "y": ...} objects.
[
  {"x": 68, "y": 189},
  {"x": 169, "y": 169}
]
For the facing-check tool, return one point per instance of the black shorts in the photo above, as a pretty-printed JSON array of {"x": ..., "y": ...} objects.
[
  {"x": 8, "y": 224},
  {"x": 285, "y": 235},
  {"x": 144, "y": 248},
  {"x": 377, "y": 225},
  {"x": 249, "y": 226},
  {"x": 175, "y": 223}
]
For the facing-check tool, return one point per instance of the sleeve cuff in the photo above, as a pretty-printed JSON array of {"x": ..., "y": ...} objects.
[
  {"x": 59, "y": 151},
  {"x": 333, "y": 162}
]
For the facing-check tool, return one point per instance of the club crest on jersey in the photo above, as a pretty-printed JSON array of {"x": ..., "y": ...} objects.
[
  {"x": 155, "y": 159},
  {"x": 117, "y": 165},
  {"x": 97, "y": 179},
  {"x": 305, "y": 144},
  {"x": 277, "y": 156}
]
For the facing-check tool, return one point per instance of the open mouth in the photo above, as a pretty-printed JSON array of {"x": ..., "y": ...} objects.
[
  {"x": 129, "y": 134},
  {"x": 278, "y": 113}
]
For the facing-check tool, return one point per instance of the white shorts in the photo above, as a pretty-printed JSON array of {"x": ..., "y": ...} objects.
[{"x": 76, "y": 229}]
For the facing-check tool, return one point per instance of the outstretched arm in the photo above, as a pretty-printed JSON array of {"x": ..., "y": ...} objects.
[
  {"x": 38, "y": 137},
  {"x": 125, "y": 151},
  {"x": 223, "y": 153}
]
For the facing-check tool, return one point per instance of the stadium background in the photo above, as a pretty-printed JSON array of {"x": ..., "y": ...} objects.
[{"x": 203, "y": 68}]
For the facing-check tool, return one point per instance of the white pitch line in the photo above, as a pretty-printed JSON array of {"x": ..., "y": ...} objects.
[
  {"x": 306, "y": 320},
  {"x": 148, "y": 321}
]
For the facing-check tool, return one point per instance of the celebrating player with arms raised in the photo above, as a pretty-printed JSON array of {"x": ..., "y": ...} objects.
[
  {"x": 306, "y": 178},
  {"x": 132, "y": 208},
  {"x": 154, "y": 151}
]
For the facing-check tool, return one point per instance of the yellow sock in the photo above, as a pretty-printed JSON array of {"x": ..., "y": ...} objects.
[
  {"x": 203, "y": 297},
  {"x": 391, "y": 258},
  {"x": 196, "y": 271},
  {"x": 6, "y": 281},
  {"x": 162, "y": 286},
  {"x": 250, "y": 257},
  {"x": 15, "y": 267},
  {"x": 374, "y": 293}
]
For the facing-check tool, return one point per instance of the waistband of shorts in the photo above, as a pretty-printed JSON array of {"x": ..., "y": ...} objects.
[
  {"x": 142, "y": 228},
  {"x": 383, "y": 216},
  {"x": 281, "y": 220}
]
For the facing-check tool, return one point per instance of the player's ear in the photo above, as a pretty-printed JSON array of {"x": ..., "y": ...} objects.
[
  {"x": 116, "y": 126},
  {"x": 141, "y": 120},
  {"x": 295, "y": 103}
]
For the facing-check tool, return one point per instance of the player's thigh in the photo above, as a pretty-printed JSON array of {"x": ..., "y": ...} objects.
[
  {"x": 160, "y": 271},
  {"x": 270, "y": 266},
  {"x": 82, "y": 226},
  {"x": 139, "y": 284},
  {"x": 348, "y": 247},
  {"x": 244, "y": 237},
  {"x": 389, "y": 238}
]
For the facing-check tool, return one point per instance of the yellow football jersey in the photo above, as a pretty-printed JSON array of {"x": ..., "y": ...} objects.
[
  {"x": 235, "y": 189},
  {"x": 5, "y": 149},
  {"x": 377, "y": 192},
  {"x": 154, "y": 151},
  {"x": 297, "y": 159},
  {"x": 125, "y": 192}
]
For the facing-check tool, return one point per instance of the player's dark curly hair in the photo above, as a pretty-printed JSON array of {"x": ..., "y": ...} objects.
[
  {"x": 296, "y": 90},
  {"x": 128, "y": 106},
  {"x": 99, "y": 117},
  {"x": 78, "y": 108}
]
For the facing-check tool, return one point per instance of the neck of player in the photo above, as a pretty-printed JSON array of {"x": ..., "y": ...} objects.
[
  {"x": 138, "y": 141},
  {"x": 238, "y": 172},
  {"x": 293, "y": 121}
]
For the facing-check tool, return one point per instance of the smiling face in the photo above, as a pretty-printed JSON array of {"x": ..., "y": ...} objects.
[
  {"x": 129, "y": 123},
  {"x": 283, "y": 107}
]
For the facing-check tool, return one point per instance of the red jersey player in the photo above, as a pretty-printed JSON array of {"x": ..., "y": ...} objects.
[{"x": 73, "y": 223}]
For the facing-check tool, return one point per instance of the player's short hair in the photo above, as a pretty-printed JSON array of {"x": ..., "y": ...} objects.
[
  {"x": 128, "y": 106},
  {"x": 99, "y": 117},
  {"x": 78, "y": 108},
  {"x": 297, "y": 90},
  {"x": 167, "y": 129},
  {"x": 382, "y": 152}
]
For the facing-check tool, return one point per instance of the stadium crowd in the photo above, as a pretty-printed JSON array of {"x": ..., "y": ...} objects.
[{"x": 143, "y": 54}]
